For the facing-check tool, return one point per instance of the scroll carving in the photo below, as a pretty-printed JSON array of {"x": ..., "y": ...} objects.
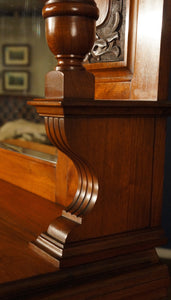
[
  {"x": 54, "y": 243},
  {"x": 86, "y": 194},
  {"x": 110, "y": 35}
]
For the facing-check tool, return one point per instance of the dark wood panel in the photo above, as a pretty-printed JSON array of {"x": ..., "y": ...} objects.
[
  {"x": 158, "y": 171},
  {"x": 119, "y": 150}
]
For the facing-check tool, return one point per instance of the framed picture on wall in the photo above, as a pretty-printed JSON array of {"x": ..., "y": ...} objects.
[
  {"x": 16, "y": 55},
  {"x": 16, "y": 81}
]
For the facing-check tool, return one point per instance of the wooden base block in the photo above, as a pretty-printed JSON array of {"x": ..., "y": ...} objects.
[{"x": 69, "y": 254}]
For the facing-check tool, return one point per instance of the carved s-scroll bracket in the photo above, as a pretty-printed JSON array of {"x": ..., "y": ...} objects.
[
  {"x": 87, "y": 190},
  {"x": 110, "y": 35},
  {"x": 56, "y": 242}
]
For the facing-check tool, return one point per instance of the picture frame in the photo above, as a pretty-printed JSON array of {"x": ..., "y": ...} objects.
[
  {"x": 16, "y": 81},
  {"x": 16, "y": 55}
]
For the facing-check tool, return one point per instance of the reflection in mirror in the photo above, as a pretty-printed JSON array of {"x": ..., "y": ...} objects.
[{"x": 23, "y": 49}]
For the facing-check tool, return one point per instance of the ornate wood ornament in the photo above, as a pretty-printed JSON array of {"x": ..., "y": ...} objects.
[
  {"x": 88, "y": 225},
  {"x": 110, "y": 35},
  {"x": 70, "y": 32},
  {"x": 114, "y": 147}
]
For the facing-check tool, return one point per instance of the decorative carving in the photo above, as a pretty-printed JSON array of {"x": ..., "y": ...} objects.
[
  {"x": 86, "y": 194},
  {"x": 54, "y": 242},
  {"x": 110, "y": 35}
]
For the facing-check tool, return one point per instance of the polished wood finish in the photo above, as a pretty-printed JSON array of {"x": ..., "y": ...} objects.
[
  {"x": 133, "y": 145},
  {"x": 148, "y": 51},
  {"x": 29, "y": 173},
  {"x": 69, "y": 42},
  {"x": 23, "y": 273},
  {"x": 92, "y": 134},
  {"x": 45, "y": 178},
  {"x": 98, "y": 240}
]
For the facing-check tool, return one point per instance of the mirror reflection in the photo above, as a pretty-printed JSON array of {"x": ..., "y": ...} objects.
[{"x": 25, "y": 59}]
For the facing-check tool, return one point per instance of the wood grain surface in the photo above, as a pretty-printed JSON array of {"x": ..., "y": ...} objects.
[{"x": 99, "y": 241}]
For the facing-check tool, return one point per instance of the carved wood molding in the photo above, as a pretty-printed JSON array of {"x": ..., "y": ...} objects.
[
  {"x": 110, "y": 35},
  {"x": 87, "y": 190},
  {"x": 55, "y": 242}
]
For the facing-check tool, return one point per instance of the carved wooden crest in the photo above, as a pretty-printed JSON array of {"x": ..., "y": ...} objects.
[{"x": 110, "y": 32}]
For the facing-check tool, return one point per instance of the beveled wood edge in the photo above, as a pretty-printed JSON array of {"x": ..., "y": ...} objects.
[
  {"x": 112, "y": 75},
  {"x": 147, "y": 259},
  {"x": 82, "y": 107},
  {"x": 106, "y": 247}
]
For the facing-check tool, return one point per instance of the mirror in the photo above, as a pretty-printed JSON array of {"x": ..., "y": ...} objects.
[{"x": 25, "y": 59}]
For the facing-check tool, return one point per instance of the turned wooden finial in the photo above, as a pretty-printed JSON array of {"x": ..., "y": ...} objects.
[{"x": 70, "y": 33}]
